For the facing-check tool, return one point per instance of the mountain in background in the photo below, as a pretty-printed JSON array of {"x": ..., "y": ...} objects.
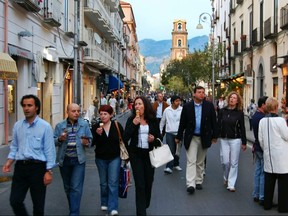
[{"x": 156, "y": 51}]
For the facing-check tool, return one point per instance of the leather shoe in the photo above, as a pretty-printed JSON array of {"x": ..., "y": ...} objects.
[
  {"x": 191, "y": 190},
  {"x": 199, "y": 187}
]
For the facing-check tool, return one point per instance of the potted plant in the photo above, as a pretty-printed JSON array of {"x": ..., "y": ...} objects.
[{"x": 235, "y": 42}]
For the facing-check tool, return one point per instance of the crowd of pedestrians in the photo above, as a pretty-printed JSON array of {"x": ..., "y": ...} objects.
[{"x": 196, "y": 124}]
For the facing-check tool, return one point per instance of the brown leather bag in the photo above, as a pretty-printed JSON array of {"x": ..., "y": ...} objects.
[{"x": 123, "y": 151}]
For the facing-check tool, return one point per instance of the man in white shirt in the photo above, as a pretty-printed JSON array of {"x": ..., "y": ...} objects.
[
  {"x": 171, "y": 119},
  {"x": 113, "y": 102},
  {"x": 103, "y": 100}
]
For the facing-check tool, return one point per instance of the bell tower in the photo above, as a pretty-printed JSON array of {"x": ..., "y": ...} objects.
[{"x": 179, "y": 48}]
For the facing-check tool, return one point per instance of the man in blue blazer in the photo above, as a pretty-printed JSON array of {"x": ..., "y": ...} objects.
[{"x": 198, "y": 120}]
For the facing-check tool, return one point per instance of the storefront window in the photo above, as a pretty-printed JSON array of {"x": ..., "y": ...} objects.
[{"x": 11, "y": 96}]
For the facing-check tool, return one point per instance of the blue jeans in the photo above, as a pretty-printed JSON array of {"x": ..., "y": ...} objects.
[
  {"x": 73, "y": 175},
  {"x": 109, "y": 181},
  {"x": 258, "y": 191},
  {"x": 170, "y": 139}
]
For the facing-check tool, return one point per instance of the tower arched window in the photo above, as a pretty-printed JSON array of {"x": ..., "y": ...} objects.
[
  {"x": 179, "y": 43},
  {"x": 179, "y": 26}
]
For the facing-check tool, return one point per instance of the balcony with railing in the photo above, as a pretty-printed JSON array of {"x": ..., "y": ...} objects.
[
  {"x": 29, "y": 5},
  {"x": 113, "y": 5},
  {"x": 268, "y": 29},
  {"x": 96, "y": 56},
  {"x": 284, "y": 17},
  {"x": 100, "y": 16},
  {"x": 52, "y": 12},
  {"x": 239, "y": 2},
  {"x": 256, "y": 39}
]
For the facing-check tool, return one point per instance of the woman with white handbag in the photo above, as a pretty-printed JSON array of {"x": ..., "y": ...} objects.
[{"x": 142, "y": 131}]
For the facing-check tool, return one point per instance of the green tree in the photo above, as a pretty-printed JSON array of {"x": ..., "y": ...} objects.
[{"x": 194, "y": 68}]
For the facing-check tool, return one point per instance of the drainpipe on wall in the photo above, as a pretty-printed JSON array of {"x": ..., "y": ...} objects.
[
  {"x": 6, "y": 123},
  {"x": 252, "y": 67}
]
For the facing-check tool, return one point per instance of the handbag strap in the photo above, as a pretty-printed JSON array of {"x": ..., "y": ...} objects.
[
  {"x": 160, "y": 141},
  {"x": 119, "y": 134}
]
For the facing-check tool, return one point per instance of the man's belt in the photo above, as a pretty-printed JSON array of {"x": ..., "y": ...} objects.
[{"x": 30, "y": 161}]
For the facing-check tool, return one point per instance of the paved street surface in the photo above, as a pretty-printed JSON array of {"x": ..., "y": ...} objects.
[{"x": 169, "y": 195}]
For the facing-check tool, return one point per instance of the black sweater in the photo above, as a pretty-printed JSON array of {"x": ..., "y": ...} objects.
[
  {"x": 107, "y": 148},
  {"x": 231, "y": 124}
]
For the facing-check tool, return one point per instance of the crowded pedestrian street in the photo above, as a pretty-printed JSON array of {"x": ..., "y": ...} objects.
[{"x": 169, "y": 196}]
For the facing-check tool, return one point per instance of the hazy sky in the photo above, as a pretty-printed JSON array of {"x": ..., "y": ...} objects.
[{"x": 154, "y": 18}]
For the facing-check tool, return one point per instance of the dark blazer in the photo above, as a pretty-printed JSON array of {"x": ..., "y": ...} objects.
[
  {"x": 131, "y": 133},
  {"x": 188, "y": 123}
]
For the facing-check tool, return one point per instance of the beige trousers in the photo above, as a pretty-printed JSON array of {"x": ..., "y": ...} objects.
[{"x": 195, "y": 162}]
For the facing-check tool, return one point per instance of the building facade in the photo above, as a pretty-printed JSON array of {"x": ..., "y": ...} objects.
[
  {"x": 253, "y": 36},
  {"x": 42, "y": 37}
]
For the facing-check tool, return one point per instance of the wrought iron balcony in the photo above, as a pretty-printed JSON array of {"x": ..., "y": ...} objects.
[
  {"x": 52, "y": 12},
  {"x": 268, "y": 32},
  {"x": 29, "y": 5},
  {"x": 239, "y": 1},
  {"x": 256, "y": 39},
  {"x": 284, "y": 17}
]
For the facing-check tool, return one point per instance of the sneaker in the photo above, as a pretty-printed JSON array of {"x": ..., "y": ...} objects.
[
  {"x": 256, "y": 199},
  {"x": 114, "y": 212},
  {"x": 104, "y": 208},
  {"x": 178, "y": 168},
  {"x": 167, "y": 170}
]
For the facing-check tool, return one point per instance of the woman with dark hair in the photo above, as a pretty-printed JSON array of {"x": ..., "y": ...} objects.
[
  {"x": 107, "y": 158},
  {"x": 142, "y": 130},
  {"x": 232, "y": 138}
]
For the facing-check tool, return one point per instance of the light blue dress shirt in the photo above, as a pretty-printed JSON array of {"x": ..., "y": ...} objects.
[
  {"x": 33, "y": 141},
  {"x": 198, "y": 115},
  {"x": 159, "y": 110}
]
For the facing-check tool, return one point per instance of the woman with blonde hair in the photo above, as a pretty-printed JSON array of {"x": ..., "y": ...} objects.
[
  {"x": 232, "y": 137},
  {"x": 273, "y": 138}
]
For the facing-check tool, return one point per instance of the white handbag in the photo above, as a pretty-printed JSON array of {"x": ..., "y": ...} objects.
[{"x": 160, "y": 155}]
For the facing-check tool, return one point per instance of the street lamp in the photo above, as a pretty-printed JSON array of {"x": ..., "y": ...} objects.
[{"x": 203, "y": 18}]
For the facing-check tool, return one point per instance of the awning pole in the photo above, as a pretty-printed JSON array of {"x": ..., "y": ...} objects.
[{"x": 6, "y": 115}]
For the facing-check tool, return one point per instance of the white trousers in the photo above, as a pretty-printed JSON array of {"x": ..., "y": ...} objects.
[
  {"x": 195, "y": 162},
  {"x": 229, "y": 155}
]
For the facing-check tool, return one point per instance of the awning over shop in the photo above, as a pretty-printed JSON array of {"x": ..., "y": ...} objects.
[
  {"x": 50, "y": 54},
  {"x": 93, "y": 70},
  {"x": 13, "y": 50},
  {"x": 39, "y": 70},
  {"x": 113, "y": 83},
  {"x": 8, "y": 68},
  {"x": 234, "y": 77}
]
